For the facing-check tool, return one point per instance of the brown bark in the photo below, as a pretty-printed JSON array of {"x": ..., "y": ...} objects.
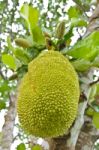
[
  {"x": 7, "y": 130},
  {"x": 86, "y": 139},
  {"x": 88, "y": 135},
  {"x": 58, "y": 143}
]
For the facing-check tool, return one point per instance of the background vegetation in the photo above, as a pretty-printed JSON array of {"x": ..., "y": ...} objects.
[{"x": 68, "y": 26}]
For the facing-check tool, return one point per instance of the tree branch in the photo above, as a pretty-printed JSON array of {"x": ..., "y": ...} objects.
[
  {"x": 87, "y": 137},
  {"x": 7, "y": 130},
  {"x": 93, "y": 22},
  {"x": 94, "y": 82},
  {"x": 75, "y": 130}
]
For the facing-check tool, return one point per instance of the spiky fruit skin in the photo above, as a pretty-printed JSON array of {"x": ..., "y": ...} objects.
[{"x": 48, "y": 96}]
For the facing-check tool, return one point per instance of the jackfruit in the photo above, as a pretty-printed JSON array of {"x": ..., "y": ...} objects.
[{"x": 48, "y": 96}]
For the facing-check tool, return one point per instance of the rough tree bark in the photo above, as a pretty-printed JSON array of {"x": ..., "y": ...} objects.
[
  {"x": 87, "y": 137},
  {"x": 7, "y": 130},
  {"x": 82, "y": 134}
]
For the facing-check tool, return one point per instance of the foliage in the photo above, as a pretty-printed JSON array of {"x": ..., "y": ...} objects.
[
  {"x": 21, "y": 147},
  {"x": 37, "y": 147},
  {"x": 35, "y": 25},
  {"x": 87, "y": 48}
]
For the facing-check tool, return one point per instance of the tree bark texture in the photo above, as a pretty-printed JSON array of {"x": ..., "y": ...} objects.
[
  {"x": 87, "y": 137},
  {"x": 93, "y": 22},
  {"x": 7, "y": 131}
]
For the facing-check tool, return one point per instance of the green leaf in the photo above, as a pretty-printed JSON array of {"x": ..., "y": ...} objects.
[
  {"x": 9, "y": 60},
  {"x": 37, "y": 147},
  {"x": 87, "y": 48},
  {"x": 21, "y": 147},
  {"x": 22, "y": 55},
  {"x": 4, "y": 86},
  {"x": 96, "y": 119},
  {"x": 81, "y": 64},
  {"x": 2, "y": 105},
  {"x": 0, "y": 136},
  {"x": 10, "y": 44},
  {"x": 97, "y": 92},
  {"x": 92, "y": 93},
  {"x": 90, "y": 112},
  {"x": 22, "y": 70},
  {"x": 77, "y": 22},
  {"x": 38, "y": 36},
  {"x": 73, "y": 12},
  {"x": 31, "y": 15},
  {"x": 96, "y": 146},
  {"x": 69, "y": 34},
  {"x": 96, "y": 61}
]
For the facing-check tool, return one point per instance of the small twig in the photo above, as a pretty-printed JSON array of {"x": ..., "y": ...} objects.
[
  {"x": 95, "y": 15},
  {"x": 80, "y": 37},
  {"x": 83, "y": 96},
  {"x": 94, "y": 82},
  {"x": 93, "y": 22},
  {"x": 18, "y": 135}
]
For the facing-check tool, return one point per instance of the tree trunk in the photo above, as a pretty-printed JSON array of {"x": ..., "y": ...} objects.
[
  {"x": 87, "y": 137},
  {"x": 58, "y": 143},
  {"x": 7, "y": 131}
]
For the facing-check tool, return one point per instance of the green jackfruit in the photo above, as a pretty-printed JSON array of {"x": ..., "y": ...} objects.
[{"x": 48, "y": 96}]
